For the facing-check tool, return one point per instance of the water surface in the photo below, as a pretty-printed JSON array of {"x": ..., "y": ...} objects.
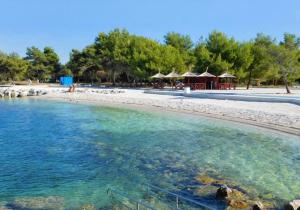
[{"x": 78, "y": 151}]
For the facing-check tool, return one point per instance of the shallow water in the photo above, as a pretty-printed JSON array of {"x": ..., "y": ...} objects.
[{"x": 78, "y": 151}]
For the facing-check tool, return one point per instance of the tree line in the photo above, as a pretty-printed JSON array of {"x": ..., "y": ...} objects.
[{"x": 119, "y": 56}]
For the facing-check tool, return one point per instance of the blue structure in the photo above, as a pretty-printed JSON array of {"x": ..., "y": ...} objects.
[{"x": 66, "y": 81}]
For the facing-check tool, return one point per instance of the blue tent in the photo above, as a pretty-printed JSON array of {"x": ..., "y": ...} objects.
[{"x": 66, "y": 81}]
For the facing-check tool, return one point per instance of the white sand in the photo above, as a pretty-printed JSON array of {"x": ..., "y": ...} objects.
[{"x": 281, "y": 116}]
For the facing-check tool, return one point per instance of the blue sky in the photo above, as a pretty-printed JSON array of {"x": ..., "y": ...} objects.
[{"x": 68, "y": 24}]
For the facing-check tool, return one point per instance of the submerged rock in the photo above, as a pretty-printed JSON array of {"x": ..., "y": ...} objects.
[
  {"x": 223, "y": 192},
  {"x": 293, "y": 205},
  {"x": 258, "y": 206},
  {"x": 206, "y": 179},
  {"x": 235, "y": 198},
  {"x": 112, "y": 207},
  {"x": 3, "y": 206},
  {"x": 238, "y": 204},
  {"x": 49, "y": 203},
  {"x": 87, "y": 207}
]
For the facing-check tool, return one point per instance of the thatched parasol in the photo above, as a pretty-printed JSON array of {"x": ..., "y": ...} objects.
[
  {"x": 226, "y": 75},
  {"x": 173, "y": 75},
  {"x": 158, "y": 76},
  {"x": 189, "y": 74},
  {"x": 206, "y": 74}
]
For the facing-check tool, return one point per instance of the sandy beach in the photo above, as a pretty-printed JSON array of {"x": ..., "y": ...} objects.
[{"x": 279, "y": 116}]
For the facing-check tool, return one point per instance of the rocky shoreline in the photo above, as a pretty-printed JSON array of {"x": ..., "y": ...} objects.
[
  {"x": 277, "y": 116},
  {"x": 12, "y": 93},
  {"x": 232, "y": 197}
]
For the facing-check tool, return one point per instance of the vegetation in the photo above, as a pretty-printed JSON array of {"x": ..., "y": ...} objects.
[{"x": 119, "y": 56}]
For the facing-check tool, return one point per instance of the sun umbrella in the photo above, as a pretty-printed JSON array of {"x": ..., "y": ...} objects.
[
  {"x": 228, "y": 78},
  {"x": 173, "y": 74},
  {"x": 206, "y": 74},
  {"x": 158, "y": 76},
  {"x": 226, "y": 75},
  {"x": 189, "y": 74}
]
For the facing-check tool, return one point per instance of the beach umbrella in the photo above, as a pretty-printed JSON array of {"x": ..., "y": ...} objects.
[
  {"x": 226, "y": 75},
  {"x": 172, "y": 76},
  {"x": 206, "y": 74},
  {"x": 188, "y": 75},
  {"x": 158, "y": 76}
]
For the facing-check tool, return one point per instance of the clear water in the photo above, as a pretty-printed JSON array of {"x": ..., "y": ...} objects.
[{"x": 78, "y": 151}]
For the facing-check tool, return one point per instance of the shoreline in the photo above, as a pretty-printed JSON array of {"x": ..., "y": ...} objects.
[
  {"x": 149, "y": 108},
  {"x": 281, "y": 117}
]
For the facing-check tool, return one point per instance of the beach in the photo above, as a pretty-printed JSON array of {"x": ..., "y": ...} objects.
[{"x": 278, "y": 116}]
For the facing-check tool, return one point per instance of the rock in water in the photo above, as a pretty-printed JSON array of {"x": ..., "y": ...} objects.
[
  {"x": 21, "y": 94},
  {"x": 39, "y": 93},
  {"x": 293, "y": 205},
  {"x": 205, "y": 179},
  {"x": 223, "y": 192},
  {"x": 31, "y": 92},
  {"x": 38, "y": 203},
  {"x": 3, "y": 206},
  {"x": 238, "y": 204},
  {"x": 235, "y": 198},
  {"x": 258, "y": 206},
  {"x": 7, "y": 93},
  {"x": 87, "y": 207}
]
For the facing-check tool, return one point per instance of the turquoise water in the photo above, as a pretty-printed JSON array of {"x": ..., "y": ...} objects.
[{"x": 77, "y": 151}]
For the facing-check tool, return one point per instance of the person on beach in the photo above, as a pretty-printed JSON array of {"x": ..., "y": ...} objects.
[{"x": 72, "y": 89}]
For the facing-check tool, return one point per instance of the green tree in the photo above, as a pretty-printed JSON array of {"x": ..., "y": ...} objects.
[
  {"x": 222, "y": 46},
  {"x": 184, "y": 44},
  {"x": 114, "y": 51},
  {"x": 181, "y": 42},
  {"x": 12, "y": 67},
  {"x": 261, "y": 67},
  {"x": 52, "y": 62},
  {"x": 44, "y": 65},
  {"x": 243, "y": 61},
  {"x": 203, "y": 57},
  {"x": 291, "y": 41},
  {"x": 223, "y": 52},
  {"x": 145, "y": 58},
  {"x": 285, "y": 58},
  {"x": 85, "y": 64}
]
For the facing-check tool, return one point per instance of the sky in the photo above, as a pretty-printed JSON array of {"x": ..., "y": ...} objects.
[{"x": 72, "y": 24}]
